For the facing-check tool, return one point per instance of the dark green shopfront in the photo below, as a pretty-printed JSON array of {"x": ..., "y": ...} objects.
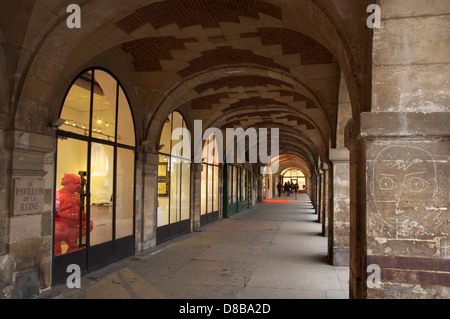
[{"x": 237, "y": 190}]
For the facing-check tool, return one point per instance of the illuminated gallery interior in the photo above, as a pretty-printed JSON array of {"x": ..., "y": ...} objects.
[{"x": 96, "y": 151}]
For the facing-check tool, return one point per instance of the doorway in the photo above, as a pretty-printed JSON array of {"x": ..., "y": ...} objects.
[{"x": 93, "y": 218}]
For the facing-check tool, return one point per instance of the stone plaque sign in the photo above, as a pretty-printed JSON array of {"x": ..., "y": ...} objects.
[{"x": 28, "y": 196}]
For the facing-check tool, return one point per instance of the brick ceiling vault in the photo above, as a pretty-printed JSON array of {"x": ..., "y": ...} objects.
[
  {"x": 181, "y": 39},
  {"x": 249, "y": 63}
]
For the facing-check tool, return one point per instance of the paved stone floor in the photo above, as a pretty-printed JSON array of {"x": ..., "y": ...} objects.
[{"x": 272, "y": 251}]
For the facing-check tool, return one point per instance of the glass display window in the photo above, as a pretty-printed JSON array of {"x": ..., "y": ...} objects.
[
  {"x": 294, "y": 176},
  {"x": 216, "y": 189},
  {"x": 210, "y": 181},
  {"x": 185, "y": 200},
  {"x": 124, "y": 193},
  {"x": 101, "y": 190},
  {"x": 70, "y": 196},
  {"x": 77, "y": 106},
  {"x": 174, "y": 179},
  {"x": 230, "y": 185},
  {"x": 95, "y": 174},
  {"x": 104, "y": 100},
  {"x": 203, "y": 196}
]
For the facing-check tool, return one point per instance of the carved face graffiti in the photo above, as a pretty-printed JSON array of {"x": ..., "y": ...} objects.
[{"x": 403, "y": 187}]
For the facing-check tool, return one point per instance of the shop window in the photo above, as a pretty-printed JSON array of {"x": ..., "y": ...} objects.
[
  {"x": 95, "y": 169},
  {"x": 210, "y": 181},
  {"x": 238, "y": 195},
  {"x": 174, "y": 179}
]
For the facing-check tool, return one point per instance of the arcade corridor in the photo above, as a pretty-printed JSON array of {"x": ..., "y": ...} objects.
[{"x": 272, "y": 251}]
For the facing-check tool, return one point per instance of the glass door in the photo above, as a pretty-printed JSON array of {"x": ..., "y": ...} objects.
[
  {"x": 101, "y": 204},
  {"x": 71, "y": 226},
  {"x": 94, "y": 176},
  {"x": 174, "y": 181}
]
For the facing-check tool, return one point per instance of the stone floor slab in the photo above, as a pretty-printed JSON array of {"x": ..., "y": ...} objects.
[{"x": 272, "y": 251}]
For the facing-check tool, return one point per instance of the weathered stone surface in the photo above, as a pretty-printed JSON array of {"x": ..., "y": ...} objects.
[
  {"x": 26, "y": 284},
  {"x": 394, "y": 44},
  {"x": 4, "y": 194},
  {"x": 413, "y": 8},
  {"x": 24, "y": 227},
  {"x": 411, "y": 88},
  {"x": 339, "y": 220},
  {"x": 25, "y": 253},
  {"x": 407, "y": 200},
  {"x": 404, "y": 124},
  {"x": 28, "y": 196},
  {"x": 410, "y": 67},
  {"x": 6, "y": 270},
  {"x": 410, "y": 180}
]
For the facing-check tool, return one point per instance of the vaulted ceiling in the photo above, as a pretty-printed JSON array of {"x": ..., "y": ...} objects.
[
  {"x": 246, "y": 63},
  {"x": 262, "y": 74}
]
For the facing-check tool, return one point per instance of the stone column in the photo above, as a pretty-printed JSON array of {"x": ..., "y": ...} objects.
[
  {"x": 358, "y": 253},
  {"x": 326, "y": 193},
  {"x": 313, "y": 191},
  {"x": 4, "y": 188},
  {"x": 406, "y": 142},
  {"x": 139, "y": 204},
  {"x": 255, "y": 195},
  {"x": 150, "y": 201},
  {"x": 259, "y": 187},
  {"x": 221, "y": 199},
  {"x": 196, "y": 195},
  {"x": 320, "y": 197},
  {"x": 339, "y": 217},
  {"x": 317, "y": 192},
  {"x": 399, "y": 205},
  {"x": 408, "y": 230},
  {"x": 29, "y": 238}
]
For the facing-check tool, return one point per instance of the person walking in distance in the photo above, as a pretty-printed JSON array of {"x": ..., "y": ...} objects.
[
  {"x": 279, "y": 188},
  {"x": 287, "y": 188}
]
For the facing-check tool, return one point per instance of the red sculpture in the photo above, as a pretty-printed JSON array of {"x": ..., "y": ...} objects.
[{"x": 67, "y": 210}]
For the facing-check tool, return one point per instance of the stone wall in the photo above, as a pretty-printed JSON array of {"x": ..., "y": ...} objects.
[
  {"x": 407, "y": 151},
  {"x": 339, "y": 218},
  {"x": 5, "y": 264},
  {"x": 26, "y": 263},
  {"x": 408, "y": 227},
  {"x": 410, "y": 57}
]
